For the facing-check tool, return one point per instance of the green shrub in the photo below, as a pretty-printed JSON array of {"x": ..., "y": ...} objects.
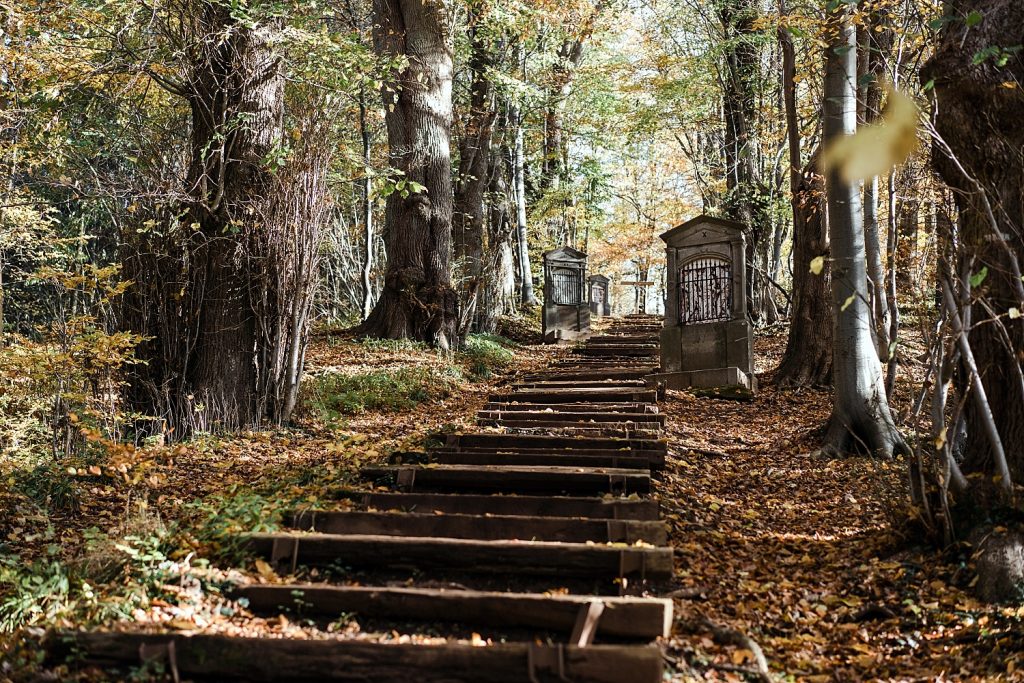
[{"x": 485, "y": 353}]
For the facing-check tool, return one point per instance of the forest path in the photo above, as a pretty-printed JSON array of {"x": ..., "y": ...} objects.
[
  {"x": 534, "y": 526},
  {"x": 800, "y": 554}
]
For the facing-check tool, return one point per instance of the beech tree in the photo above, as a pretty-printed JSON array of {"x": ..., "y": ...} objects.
[
  {"x": 860, "y": 419},
  {"x": 978, "y": 153},
  {"x": 418, "y": 300}
]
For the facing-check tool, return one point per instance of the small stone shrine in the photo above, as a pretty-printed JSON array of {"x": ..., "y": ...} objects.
[
  {"x": 600, "y": 296},
  {"x": 566, "y": 306},
  {"x": 707, "y": 339}
]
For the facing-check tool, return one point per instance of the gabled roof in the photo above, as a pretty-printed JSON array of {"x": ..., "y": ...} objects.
[
  {"x": 703, "y": 219},
  {"x": 565, "y": 253},
  {"x": 603, "y": 278}
]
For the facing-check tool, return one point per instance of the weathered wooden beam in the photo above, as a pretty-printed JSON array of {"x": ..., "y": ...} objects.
[
  {"x": 498, "y": 440},
  {"x": 543, "y": 506},
  {"x": 565, "y": 416},
  {"x": 571, "y": 459},
  {"x": 543, "y": 558},
  {"x": 478, "y": 527},
  {"x": 573, "y": 407},
  {"x": 218, "y": 657},
  {"x": 512, "y": 479},
  {"x": 623, "y": 618},
  {"x": 571, "y": 395}
]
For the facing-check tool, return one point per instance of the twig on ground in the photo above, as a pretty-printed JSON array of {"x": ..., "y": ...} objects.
[{"x": 726, "y": 635}]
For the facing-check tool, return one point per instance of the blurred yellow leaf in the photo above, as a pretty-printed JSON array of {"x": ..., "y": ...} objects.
[
  {"x": 817, "y": 265},
  {"x": 876, "y": 148}
]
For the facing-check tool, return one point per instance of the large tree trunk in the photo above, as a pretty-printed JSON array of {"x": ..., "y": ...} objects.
[
  {"x": 808, "y": 357},
  {"x": 225, "y": 301},
  {"x": 860, "y": 413},
  {"x": 418, "y": 301},
  {"x": 474, "y": 168},
  {"x": 978, "y": 117}
]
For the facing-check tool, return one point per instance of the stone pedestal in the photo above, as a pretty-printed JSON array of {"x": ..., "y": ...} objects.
[
  {"x": 707, "y": 340},
  {"x": 566, "y": 315}
]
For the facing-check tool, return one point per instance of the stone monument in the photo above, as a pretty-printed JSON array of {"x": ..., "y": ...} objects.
[
  {"x": 600, "y": 295},
  {"x": 566, "y": 314},
  {"x": 707, "y": 339}
]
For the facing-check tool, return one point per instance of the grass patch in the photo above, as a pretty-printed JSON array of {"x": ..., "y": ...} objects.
[
  {"x": 485, "y": 353},
  {"x": 334, "y": 395}
]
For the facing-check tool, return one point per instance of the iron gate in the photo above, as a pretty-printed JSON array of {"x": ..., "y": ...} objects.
[{"x": 705, "y": 291}]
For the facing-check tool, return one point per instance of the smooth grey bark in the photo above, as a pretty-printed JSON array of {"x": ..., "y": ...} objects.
[
  {"x": 527, "y": 296},
  {"x": 418, "y": 300},
  {"x": 861, "y": 420},
  {"x": 367, "y": 200}
]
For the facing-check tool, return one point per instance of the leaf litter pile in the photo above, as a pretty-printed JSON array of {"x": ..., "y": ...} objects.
[{"x": 789, "y": 566}]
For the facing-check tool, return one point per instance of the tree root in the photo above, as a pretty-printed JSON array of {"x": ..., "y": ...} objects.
[{"x": 726, "y": 635}]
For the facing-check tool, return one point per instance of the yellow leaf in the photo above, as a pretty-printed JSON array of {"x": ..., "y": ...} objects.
[
  {"x": 849, "y": 301},
  {"x": 940, "y": 440},
  {"x": 1014, "y": 313},
  {"x": 874, "y": 149},
  {"x": 817, "y": 265},
  {"x": 265, "y": 570}
]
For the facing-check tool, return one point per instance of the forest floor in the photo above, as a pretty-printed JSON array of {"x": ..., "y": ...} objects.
[{"x": 814, "y": 559}]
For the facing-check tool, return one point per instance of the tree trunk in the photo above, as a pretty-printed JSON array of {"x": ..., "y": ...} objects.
[
  {"x": 418, "y": 301},
  {"x": 745, "y": 190},
  {"x": 527, "y": 297},
  {"x": 474, "y": 170},
  {"x": 808, "y": 357},
  {"x": 860, "y": 414},
  {"x": 226, "y": 307},
  {"x": 978, "y": 117},
  {"x": 367, "y": 200}
]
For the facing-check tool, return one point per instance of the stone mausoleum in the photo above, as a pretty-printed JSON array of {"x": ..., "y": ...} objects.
[
  {"x": 707, "y": 338},
  {"x": 566, "y": 296}
]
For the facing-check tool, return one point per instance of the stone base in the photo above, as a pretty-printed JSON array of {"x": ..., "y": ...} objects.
[
  {"x": 565, "y": 336},
  {"x": 718, "y": 383}
]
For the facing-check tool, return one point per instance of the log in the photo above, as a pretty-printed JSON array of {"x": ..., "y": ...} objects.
[
  {"x": 513, "y": 479},
  {"x": 541, "y": 506},
  {"x": 623, "y": 618},
  {"x": 565, "y": 416},
  {"x": 480, "y": 527},
  {"x": 569, "y": 395},
  {"x": 497, "y": 440},
  {"x": 573, "y": 459},
  {"x": 539, "y": 558},
  {"x": 573, "y": 407},
  {"x": 218, "y": 657}
]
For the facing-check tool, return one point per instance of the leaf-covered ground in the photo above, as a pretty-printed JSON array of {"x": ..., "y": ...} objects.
[
  {"x": 813, "y": 558},
  {"x": 808, "y": 557}
]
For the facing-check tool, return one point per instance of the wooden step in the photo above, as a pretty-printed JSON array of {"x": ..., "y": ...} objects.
[
  {"x": 619, "y": 430},
  {"x": 547, "y": 459},
  {"x": 219, "y": 657},
  {"x": 498, "y": 440},
  {"x": 512, "y": 479},
  {"x": 622, "y": 618},
  {"x": 591, "y": 374},
  {"x": 572, "y": 395},
  {"x": 540, "y": 506},
  {"x": 574, "y": 407},
  {"x": 566, "y": 416},
  {"x": 538, "y": 558},
  {"x": 480, "y": 527},
  {"x": 579, "y": 383}
]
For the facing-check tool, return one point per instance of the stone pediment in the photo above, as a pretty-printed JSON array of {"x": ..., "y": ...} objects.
[
  {"x": 565, "y": 254},
  {"x": 704, "y": 230}
]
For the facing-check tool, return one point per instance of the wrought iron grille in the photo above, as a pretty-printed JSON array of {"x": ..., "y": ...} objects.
[
  {"x": 705, "y": 291},
  {"x": 597, "y": 294},
  {"x": 567, "y": 285}
]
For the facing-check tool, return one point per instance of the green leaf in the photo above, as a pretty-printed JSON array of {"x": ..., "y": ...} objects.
[
  {"x": 979, "y": 277},
  {"x": 974, "y": 18}
]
